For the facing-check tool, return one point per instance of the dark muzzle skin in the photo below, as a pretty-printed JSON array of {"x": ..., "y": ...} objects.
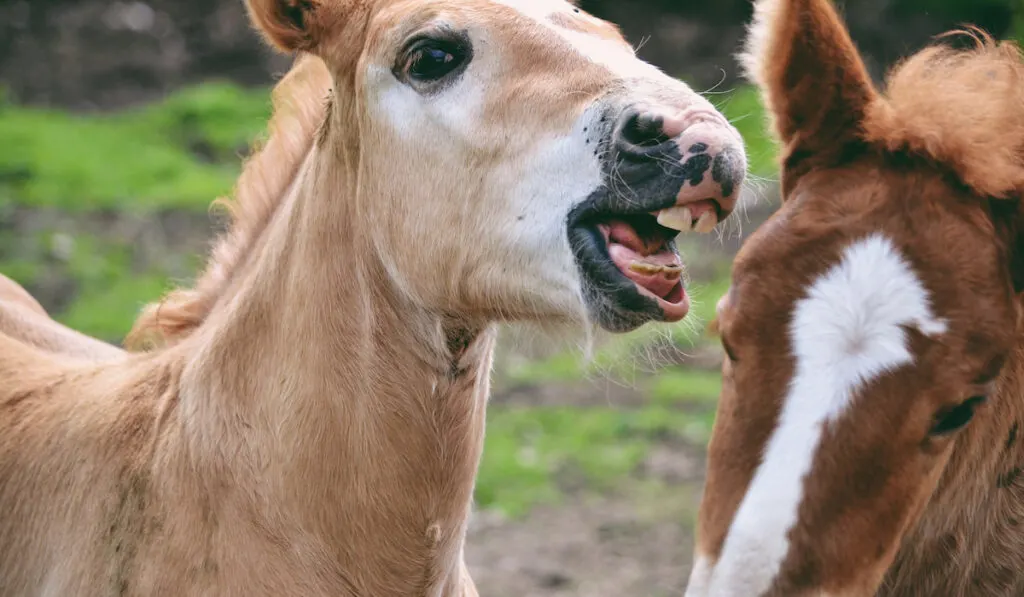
[
  {"x": 676, "y": 158},
  {"x": 654, "y": 160}
]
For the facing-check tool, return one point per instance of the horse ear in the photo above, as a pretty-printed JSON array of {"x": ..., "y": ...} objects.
[
  {"x": 812, "y": 79},
  {"x": 289, "y": 25}
]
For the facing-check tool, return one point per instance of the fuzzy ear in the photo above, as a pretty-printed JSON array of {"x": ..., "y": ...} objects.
[
  {"x": 289, "y": 25},
  {"x": 813, "y": 81}
]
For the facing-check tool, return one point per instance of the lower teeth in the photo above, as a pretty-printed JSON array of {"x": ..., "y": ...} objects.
[{"x": 643, "y": 267}]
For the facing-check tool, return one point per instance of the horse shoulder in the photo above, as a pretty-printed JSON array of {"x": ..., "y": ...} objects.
[{"x": 78, "y": 442}]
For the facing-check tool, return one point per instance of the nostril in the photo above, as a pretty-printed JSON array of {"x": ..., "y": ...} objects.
[{"x": 640, "y": 130}]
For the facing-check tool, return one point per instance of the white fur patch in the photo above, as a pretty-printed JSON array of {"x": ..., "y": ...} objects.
[
  {"x": 845, "y": 333},
  {"x": 766, "y": 13},
  {"x": 414, "y": 116},
  {"x": 700, "y": 577}
]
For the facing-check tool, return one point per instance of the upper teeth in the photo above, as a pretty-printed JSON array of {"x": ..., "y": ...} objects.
[
  {"x": 707, "y": 222},
  {"x": 681, "y": 218}
]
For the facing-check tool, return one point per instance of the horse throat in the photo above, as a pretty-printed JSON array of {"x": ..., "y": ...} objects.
[{"x": 362, "y": 414}]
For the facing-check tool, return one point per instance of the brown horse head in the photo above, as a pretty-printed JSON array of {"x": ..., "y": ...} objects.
[{"x": 869, "y": 319}]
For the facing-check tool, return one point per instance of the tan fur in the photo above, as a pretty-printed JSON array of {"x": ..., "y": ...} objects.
[
  {"x": 24, "y": 319},
  {"x": 300, "y": 102},
  {"x": 13, "y": 293},
  {"x": 309, "y": 418}
]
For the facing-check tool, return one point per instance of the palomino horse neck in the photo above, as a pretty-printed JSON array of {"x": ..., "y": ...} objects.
[
  {"x": 312, "y": 422},
  {"x": 867, "y": 435},
  {"x": 347, "y": 366}
]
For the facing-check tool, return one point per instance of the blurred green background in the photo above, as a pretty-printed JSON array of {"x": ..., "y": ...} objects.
[{"x": 120, "y": 122}]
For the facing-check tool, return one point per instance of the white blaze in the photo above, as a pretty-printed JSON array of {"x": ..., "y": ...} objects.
[{"x": 845, "y": 332}]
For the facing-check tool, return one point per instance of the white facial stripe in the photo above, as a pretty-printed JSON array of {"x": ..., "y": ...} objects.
[
  {"x": 845, "y": 333},
  {"x": 700, "y": 577},
  {"x": 613, "y": 55},
  {"x": 766, "y": 13}
]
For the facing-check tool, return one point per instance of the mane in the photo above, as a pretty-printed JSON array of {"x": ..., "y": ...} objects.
[
  {"x": 299, "y": 109},
  {"x": 960, "y": 107}
]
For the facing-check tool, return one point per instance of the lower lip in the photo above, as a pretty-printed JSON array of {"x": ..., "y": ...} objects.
[{"x": 672, "y": 310}]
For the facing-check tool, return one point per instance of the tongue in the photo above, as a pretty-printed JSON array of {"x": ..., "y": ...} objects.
[{"x": 650, "y": 264}]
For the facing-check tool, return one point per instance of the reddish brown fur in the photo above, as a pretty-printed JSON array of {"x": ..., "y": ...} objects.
[
  {"x": 813, "y": 127},
  {"x": 937, "y": 165},
  {"x": 962, "y": 109}
]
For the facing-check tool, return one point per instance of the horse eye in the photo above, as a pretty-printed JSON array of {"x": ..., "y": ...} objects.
[
  {"x": 430, "y": 60},
  {"x": 950, "y": 420},
  {"x": 729, "y": 352}
]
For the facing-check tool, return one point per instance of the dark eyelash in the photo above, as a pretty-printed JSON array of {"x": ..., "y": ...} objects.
[{"x": 728, "y": 350}]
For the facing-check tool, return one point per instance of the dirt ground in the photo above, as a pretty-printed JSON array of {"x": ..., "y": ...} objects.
[{"x": 635, "y": 541}]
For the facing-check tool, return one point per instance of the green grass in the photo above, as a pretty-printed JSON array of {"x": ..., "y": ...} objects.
[
  {"x": 743, "y": 107},
  {"x": 530, "y": 451},
  {"x": 690, "y": 388},
  {"x": 566, "y": 366},
  {"x": 109, "y": 295},
  {"x": 180, "y": 153},
  {"x": 107, "y": 311}
]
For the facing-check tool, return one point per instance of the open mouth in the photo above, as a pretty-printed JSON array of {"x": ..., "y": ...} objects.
[{"x": 631, "y": 269}]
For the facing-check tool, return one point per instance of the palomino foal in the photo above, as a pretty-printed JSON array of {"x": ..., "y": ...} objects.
[
  {"x": 311, "y": 421},
  {"x": 867, "y": 439}
]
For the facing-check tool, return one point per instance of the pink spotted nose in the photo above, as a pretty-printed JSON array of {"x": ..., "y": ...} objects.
[{"x": 697, "y": 149}]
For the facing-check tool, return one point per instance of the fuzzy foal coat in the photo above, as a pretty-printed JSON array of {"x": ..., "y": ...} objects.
[{"x": 214, "y": 465}]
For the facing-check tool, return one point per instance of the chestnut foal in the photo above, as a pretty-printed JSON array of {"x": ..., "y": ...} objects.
[{"x": 867, "y": 439}]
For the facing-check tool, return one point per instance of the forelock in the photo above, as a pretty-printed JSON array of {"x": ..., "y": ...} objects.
[{"x": 962, "y": 108}]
